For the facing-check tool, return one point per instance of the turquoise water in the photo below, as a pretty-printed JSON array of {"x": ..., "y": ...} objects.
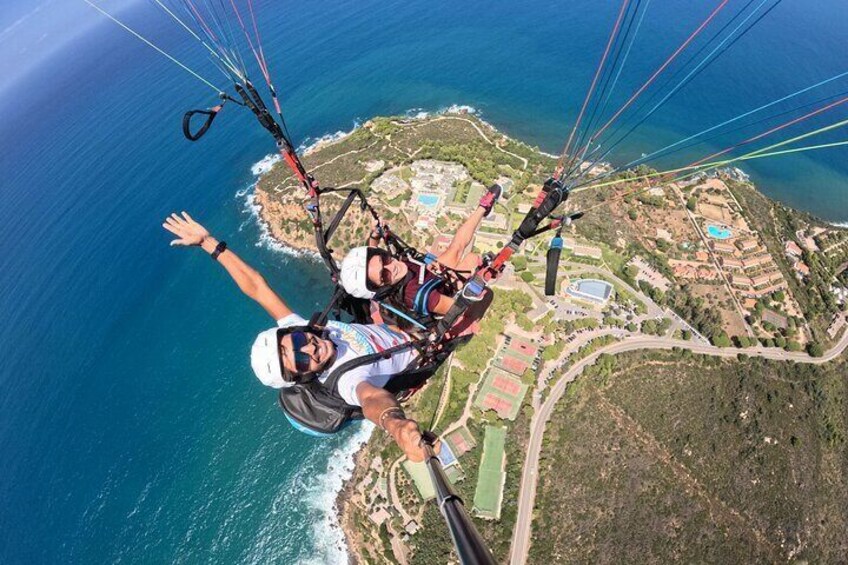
[
  {"x": 718, "y": 232},
  {"x": 131, "y": 427},
  {"x": 595, "y": 288},
  {"x": 428, "y": 200}
]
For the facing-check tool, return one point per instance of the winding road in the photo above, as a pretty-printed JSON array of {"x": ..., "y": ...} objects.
[{"x": 530, "y": 475}]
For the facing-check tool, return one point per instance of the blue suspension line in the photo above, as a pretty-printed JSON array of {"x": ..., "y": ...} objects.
[{"x": 706, "y": 61}]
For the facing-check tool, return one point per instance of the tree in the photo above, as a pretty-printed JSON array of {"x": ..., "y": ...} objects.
[
  {"x": 742, "y": 341},
  {"x": 686, "y": 335},
  {"x": 721, "y": 339},
  {"x": 519, "y": 263},
  {"x": 692, "y": 203},
  {"x": 632, "y": 214},
  {"x": 815, "y": 349},
  {"x": 527, "y": 276}
]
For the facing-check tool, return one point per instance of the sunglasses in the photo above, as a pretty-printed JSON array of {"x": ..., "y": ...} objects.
[
  {"x": 302, "y": 360},
  {"x": 385, "y": 276}
]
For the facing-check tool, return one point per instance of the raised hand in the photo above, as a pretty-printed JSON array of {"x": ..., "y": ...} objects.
[{"x": 188, "y": 232}]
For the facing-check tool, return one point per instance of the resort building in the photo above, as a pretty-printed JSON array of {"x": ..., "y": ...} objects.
[
  {"x": 582, "y": 250},
  {"x": 758, "y": 261},
  {"x": 836, "y": 325},
  {"x": 748, "y": 244},
  {"x": 792, "y": 249},
  {"x": 440, "y": 245},
  {"x": 732, "y": 263},
  {"x": 802, "y": 269},
  {"x": 741, "y": 280},
  {"x": 689, "y": 270},
  {"x": 725, "y": 248}
]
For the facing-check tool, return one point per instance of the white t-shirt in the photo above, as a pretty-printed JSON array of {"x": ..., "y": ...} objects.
[{"x": 357, "y": 340}]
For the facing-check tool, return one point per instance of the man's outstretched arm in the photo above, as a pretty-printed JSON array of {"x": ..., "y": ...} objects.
[
  {"x": 248, "y": 279},
  {"x": 381, "y": 407}
]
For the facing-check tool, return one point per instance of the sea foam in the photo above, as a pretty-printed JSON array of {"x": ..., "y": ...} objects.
[{"x": 327, "y": 532}]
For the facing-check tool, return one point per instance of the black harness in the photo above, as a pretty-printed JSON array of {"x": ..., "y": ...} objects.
[{"x": 318, "y": 408}]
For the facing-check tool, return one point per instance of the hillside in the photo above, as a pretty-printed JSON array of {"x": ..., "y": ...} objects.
[{"x": 654, "y": 458}]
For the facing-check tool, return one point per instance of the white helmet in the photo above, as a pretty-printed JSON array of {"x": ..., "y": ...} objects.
[
  {"x": 265, "y": 359},
  {"x": 354, "y": 273}
]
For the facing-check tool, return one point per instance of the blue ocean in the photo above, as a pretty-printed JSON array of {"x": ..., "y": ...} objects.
[{"x": 131, "y": 426}]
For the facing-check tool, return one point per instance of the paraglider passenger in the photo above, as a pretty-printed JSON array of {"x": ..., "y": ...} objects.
[
  {"x": 367, "y": 272},
  {"x": 293, "y": 351}
]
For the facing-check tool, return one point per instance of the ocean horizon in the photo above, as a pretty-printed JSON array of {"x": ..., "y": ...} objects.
[{"x": 131, "y": 425}]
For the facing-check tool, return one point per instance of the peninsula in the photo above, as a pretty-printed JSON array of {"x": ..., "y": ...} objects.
[{"x": 681, "y": 396}]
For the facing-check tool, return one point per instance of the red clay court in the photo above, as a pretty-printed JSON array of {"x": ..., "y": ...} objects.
[
  {"x": 500, "y": 405},
  {"x": 461, "y": 441},
  {"x": 513, "y": 365},
  {"x": 524, "y": 348},
  {"x": 508, "y": 386}
]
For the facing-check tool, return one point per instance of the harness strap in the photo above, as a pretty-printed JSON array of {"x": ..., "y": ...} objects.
[
  {"x": 333, "y": 379},
  {"x": 423, "y": 294}
]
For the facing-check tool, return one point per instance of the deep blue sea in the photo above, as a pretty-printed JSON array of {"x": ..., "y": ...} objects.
[{"x": 131, "y": 426}]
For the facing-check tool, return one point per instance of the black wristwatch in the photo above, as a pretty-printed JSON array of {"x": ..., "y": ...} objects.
[{"x": 220, "y": 248}]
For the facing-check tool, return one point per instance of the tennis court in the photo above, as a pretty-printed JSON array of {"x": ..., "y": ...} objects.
[
  {"x": 460, "y": 441},
  {"x": 512, "y": 364},
  {"x": 502, "y": 393}
]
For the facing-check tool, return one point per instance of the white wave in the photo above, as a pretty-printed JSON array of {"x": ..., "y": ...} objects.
[
  {"x": 458, "y": 109},
  {"x": 252, "y": 209},
  {"x": 327, "y": 532},
  {"x": 265, "y": 164},
  {"x": 417, "y": 114},
  {"x": 309, "y": 145},
  {"x": 839, "y": 224}
]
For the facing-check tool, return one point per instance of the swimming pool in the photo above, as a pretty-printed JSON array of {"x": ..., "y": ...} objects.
[
  {"x": 428, "y": 200},
  {"x": 591, "y": 289},
  {"x": 719, "y": 232}
]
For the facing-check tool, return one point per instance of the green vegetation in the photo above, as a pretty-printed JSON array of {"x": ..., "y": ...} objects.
[{"x": 695, "y": 459}]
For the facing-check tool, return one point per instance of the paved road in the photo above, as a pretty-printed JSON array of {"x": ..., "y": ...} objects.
[{"x": 529, "y": 477}]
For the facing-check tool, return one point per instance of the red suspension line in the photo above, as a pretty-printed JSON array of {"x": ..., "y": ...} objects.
[
  {"x": 203, "y": 23},
  {"x": 659, "y": 71},
  {"x": 771, "y": 131},
  {"x": 258, "y": 54},
  {"x": 612, "y": 37},
  {"x": 258, "y": 36},
  {"x": 259, "y": 59}
]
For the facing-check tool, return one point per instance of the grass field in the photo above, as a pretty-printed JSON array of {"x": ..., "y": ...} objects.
[{"x": 490, "y": 479}]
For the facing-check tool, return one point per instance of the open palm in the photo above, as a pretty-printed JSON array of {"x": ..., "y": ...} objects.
[{"x": 188, "y": 231}]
